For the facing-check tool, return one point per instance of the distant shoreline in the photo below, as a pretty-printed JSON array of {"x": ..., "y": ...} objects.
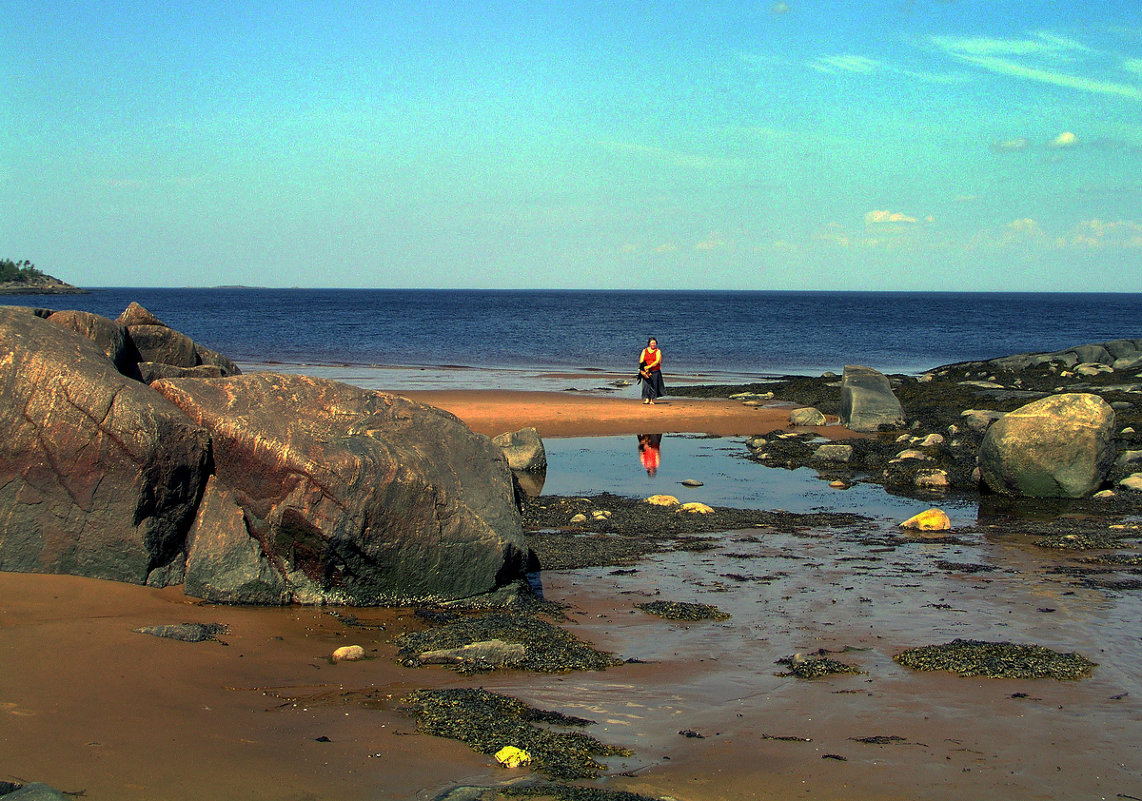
[{"x": 23, "y": 289}]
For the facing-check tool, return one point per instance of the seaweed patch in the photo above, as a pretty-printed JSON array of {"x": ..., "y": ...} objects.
[
  {"x": 680, "y": 610},
  {"x": 814, "y": 667},
  {"x": 1002, "y": 660},
  {"x": 546, "y": 648},
  {"x": 487, "y": 722}
]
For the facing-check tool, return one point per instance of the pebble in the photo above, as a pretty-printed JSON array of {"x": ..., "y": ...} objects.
[
  {"x": 691, "y": 482},
  {"x": 348, "y": 653}
]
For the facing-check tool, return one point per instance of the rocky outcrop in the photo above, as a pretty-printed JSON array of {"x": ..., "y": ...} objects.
[
  {"x": 99, "y": 476},
  {"x": 352, "y": 496},
  {"x": 867, "y": 401},
  {"x": 1118, "y": 354},
  {"x": 251, "y": 489},
  {"x": 1060, "y": 446}
]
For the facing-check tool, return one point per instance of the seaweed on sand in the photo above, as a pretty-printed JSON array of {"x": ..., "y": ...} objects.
[
  {"x": 680, "y": 610},
  {"x": 547, "y": 647},
  {"x": 1002, "y": 660},
  {"x": 562, "y": 792},
  {"x": 814, "y": 667},
  {"x": 488, "y": 721}
]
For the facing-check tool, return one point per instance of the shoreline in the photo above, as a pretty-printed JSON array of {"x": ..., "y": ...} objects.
[{"x": 569, "y": 414}]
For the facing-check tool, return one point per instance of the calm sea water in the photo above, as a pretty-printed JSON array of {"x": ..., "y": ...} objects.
[{"x": 718, "y": 335}]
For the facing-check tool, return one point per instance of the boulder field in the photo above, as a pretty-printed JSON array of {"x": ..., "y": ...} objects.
[{"x": 260, "y": 488}]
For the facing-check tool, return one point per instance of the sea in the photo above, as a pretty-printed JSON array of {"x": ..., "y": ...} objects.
[{"x": 400, "y": 339}]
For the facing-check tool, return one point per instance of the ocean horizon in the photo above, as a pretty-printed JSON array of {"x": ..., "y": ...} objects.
[{"x": 507, "y": 338}]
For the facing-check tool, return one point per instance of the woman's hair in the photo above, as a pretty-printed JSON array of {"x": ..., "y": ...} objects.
[{"x": 652, "y": 339}]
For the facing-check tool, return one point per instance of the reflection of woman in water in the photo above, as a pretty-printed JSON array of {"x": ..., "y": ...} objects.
[
  {"x": 650, "y": 372},
  {"x": 649, "y": 452}
]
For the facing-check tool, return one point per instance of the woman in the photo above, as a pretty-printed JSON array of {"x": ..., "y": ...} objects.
[{"x": 650, "y": 372}]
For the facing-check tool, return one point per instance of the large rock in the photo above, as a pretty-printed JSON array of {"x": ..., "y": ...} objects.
[
  {"x": 524, "y": 450},
  {"x": 110, "y": 336},
  {"x": 352, "y": 496},
  {"x": 99, "y": 476},
  {"x": 867, "y": 400},
  {"x": 1059, "y": 446}
]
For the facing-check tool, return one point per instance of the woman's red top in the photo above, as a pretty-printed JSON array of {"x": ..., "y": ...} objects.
[{"x": 652, "y": 358}]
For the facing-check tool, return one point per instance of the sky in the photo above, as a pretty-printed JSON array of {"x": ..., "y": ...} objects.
[{"x": 948, "y": 145}]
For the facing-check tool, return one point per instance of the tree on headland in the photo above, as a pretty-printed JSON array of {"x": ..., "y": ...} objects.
[{"x": 18, "y": 272}]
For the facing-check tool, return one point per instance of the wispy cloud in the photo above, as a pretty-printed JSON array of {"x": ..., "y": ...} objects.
[
  {"x": 1065, "y": 139},
  {"x": 1040, "y": 58},
  {"x": 846, "y": 63},
  {"x": 889, "y": 217}
]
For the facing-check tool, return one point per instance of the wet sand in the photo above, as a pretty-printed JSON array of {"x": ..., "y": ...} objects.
[
  {"x": 568, "y": 414},
  {"x": 89, "y": 706}
]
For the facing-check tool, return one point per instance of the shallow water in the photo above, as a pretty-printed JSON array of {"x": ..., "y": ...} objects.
[{"x": 586, "y": 465}]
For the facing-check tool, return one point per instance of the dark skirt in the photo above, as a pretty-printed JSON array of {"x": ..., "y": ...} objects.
[{"x": 653, "y": 387}]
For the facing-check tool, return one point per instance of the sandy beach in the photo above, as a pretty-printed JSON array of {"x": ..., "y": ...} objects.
[{"x": 93, "y": 708}]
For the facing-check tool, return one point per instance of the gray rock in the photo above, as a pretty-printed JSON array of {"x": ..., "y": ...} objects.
[
  {"x": 186, "y": 632},
  {"x": 833, "y": 452},
  {"x": 691, "y": 482},
  {"x": 225, "y": 564},
  {"x": 495, "y": 653},
  {"x": 1055, "y": 447},
  {"x": 867, "y": 401},
  {"x": 158, "y": 343},
  {"x": 807, "y": 416},
  {"x": 524, "y": 450},
  {"x": 34, "y": 791},
  {"x": 1126, "y": 363},
  {"x": 1132, "y": 482},
  {"x": 980, "y": 419},
  {"x": 1128, "y": 457}
]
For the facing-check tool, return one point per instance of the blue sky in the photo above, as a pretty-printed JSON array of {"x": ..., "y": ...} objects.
[{"x": 908, "y": 144}]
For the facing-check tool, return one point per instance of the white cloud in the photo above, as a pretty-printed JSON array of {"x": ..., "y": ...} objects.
[
  {"x": 1037, "y": 59},
  {"x": 890, "y": 217},
  {"x": 1065, "y": 139},
  {"x": 780, "y": 8},
  {"x": 1096, "y": 233}
]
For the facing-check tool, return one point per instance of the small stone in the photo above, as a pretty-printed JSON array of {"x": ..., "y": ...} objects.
[
  {"x": 1105, "y": 495},
  {"x": 931, "y": 441},
  {"x": 1133, "y": 482},
  {"x": 579, "y": 519},
  {"x": 349, "y": 653},
  {"x": 691, "y": 482},
  {"x": 696, "y": 508},
  {"x": 833, "y": 452},
  {"x": 932, "y": 480},
  {"x": 838, "y": 484},
  {"x": 911, "y": 453},
  {"x": 662, "y": 500},
  {"x": 806, "y": 417},
  {"x": 600, "y": 514},
  {"x": 929, "y": 520}
]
